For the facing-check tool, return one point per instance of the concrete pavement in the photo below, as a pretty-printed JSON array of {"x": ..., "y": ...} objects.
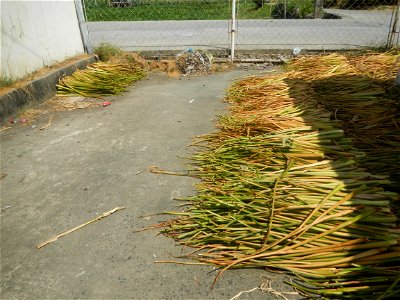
[{"x": 90, "y": 161}]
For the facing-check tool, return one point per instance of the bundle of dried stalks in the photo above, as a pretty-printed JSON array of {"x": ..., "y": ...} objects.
[{"x": 285, "y": 187}]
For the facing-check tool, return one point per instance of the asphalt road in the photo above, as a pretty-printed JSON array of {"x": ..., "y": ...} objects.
[
  {"x": 89, "y": 161},
  {"x": 354, "y": 30}
]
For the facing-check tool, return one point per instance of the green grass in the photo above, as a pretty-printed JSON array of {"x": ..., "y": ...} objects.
[
  {"x": 295, "y": 9},
  {"x": 105, "y": 51},
  {"x": 6, "y": 82},
  {"x": 150, "y": 10}
]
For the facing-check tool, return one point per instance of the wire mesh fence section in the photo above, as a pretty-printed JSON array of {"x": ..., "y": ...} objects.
[
  {"x": 156, "y": 10},
  {"x": 143, "y": 25},
  {"x": 316, "y": 24}
]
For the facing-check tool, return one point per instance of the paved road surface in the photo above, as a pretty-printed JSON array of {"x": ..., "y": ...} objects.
[{"x": 355, "y": 29}]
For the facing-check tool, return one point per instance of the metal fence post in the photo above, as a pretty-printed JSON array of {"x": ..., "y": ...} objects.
[
  {"x": 82, "y": 27},
  {"x": 233, "y": 30},
  {"x": 285, "y": 8},
  {"x": 393, "y": 27},
  {"x": 318, "y": 5}
]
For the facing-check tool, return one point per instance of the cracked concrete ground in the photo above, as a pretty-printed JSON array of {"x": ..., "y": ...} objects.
[{"x": 90, "y": 161}]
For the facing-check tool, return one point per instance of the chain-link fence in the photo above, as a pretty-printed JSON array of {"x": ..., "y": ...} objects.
[
  {"x": 257, "y": 24},
  {"x": 317, "y": 24},
  {"x": 159, "y": 24}
]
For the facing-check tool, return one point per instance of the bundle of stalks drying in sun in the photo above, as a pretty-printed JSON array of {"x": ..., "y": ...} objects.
[
  {"x": 99, "y": 79},
  {"x": 297, "y": 180}
]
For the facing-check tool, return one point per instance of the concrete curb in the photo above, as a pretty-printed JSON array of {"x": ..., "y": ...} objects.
[{"x": 37, "y": 90}]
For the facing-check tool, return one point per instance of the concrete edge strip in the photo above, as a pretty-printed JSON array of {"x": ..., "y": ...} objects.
[{"x": 38, "y": 90}]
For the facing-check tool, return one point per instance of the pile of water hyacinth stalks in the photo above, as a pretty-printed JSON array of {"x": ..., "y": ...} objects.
[
  {"x": 354, "y": 90},
  {"x": 284, "y": 187},
  {"x": 99, "y": 79}
]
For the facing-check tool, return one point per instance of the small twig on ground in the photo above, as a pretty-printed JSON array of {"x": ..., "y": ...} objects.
[
  {"x": 140, "y": 172},
  {"x": 265, "y": 287},
  {"x": 242, "y": 292},
  {"x": 48, "y": 124},
  {"x": 157, "y": 170},
  {"x": 55, "y": 238},
  {"x": 5, "y": 207},
  {"x": 196, "y": 280},
  {"x": 4, "y": 128},
  {"x": 160, "y": 225}
]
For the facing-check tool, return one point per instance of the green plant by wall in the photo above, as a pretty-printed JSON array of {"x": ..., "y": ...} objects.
[
  {"x": 6, "y": 82},
  {"x": 105, "y": 51}
]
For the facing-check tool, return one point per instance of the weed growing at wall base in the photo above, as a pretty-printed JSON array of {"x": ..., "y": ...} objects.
[
  {"x": 6, "y": 82},
  {"x": 105, "y": 51}
]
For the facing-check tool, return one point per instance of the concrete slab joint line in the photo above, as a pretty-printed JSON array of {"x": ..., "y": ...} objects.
[{"x": 37, "y": 90}]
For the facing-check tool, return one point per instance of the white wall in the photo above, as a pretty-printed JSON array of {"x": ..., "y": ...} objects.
[{"x": 36, "y": 34}]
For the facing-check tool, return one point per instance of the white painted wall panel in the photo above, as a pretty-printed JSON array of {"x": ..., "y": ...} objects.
[{"x": 35, "y": 34}]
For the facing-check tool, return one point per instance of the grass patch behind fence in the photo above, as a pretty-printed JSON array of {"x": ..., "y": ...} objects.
[{"x": 165, "y": 10}]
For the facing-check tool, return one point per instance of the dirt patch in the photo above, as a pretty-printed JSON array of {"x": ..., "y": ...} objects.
[
  {"x": 223, "y": 67},
  {"x": 129, "y": 59},
  {"x": 71, "y": 103},
  {"x": 41, "y": 113},
  {"x": 169, "y": 66}
]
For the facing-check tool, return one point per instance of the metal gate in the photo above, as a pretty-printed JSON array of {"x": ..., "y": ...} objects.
[{"x": 159, "y": 25}]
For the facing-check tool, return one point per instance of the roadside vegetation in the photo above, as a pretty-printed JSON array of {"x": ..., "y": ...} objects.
[
  {"x": 152, "y": 10},
  {"x": 358, "y": 4},
  {"x": 294, "y": 9},
  {"x": 147, "y": 10},
  {"x": 171, "y": 10},
  {"x": 105, "y": 51},
  {"x": 6, "y": 82}
]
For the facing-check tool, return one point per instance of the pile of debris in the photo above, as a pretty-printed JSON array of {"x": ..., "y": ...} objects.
[{"x": 194, "y": 62}]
